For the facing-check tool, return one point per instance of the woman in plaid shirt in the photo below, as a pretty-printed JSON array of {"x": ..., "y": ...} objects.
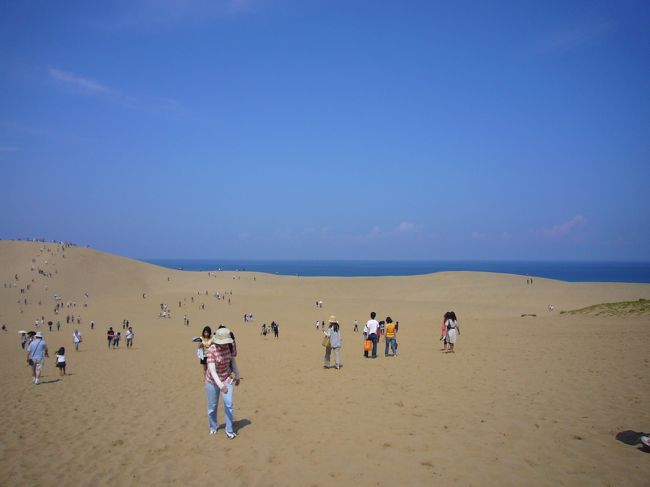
[{"x": 220, "y": 380}]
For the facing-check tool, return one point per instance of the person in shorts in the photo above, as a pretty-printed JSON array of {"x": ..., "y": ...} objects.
[{"x": 36, "y": 354}]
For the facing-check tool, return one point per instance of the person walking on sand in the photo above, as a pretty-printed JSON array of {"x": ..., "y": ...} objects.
[
  {"x": 391, "y": 341},
  {"x": 60, "y": 361},
  {"x": 23, "y": 340},
  {"x": 129, "y": 337},
  {"x": 76, "y": 339},
  {"x": 220, "y": 380},
  {"x": 370, "y": 333},
  {"x": 333, "y": 332},
  {"x": 453, "y": 330},
  {"x": 109, "y": 336},
  {"x": 202, "y": 347},
  {"x": 36, "y": 353},
  {"x": 443, "y": 331}
]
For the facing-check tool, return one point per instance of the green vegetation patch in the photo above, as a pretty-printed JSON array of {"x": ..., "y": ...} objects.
[{"x": 623, "y": 308}]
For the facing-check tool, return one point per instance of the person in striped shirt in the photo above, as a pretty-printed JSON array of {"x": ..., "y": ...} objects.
[{"x": 220, "y": 378}]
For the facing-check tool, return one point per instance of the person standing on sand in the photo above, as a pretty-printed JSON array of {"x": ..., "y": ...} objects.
[
  {"x": 370, "y": 333},
  {"x": 60, "y": 361},
  {"x": 36, "y": 353},
  {"x": 23, "y": 340},
  {"x": 129, "y": 337},
  {"x": 391, "y": 342},
  {"x": 109, "y": 336},
  {"x": 443, "y": 331},
  {"x": 453, "y": 330},
  {"x": 334, "y": 334},
  {"x": 219, "y": 381},
  {"x": 76, "y": 339},
  {"x": 206, "y": 341}
]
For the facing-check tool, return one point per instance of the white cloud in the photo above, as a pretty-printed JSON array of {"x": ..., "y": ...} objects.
[
  {"x": 562, "y": 230},
  {"x": 90, "y": 87},
  {"x": 78, "y": 82}
]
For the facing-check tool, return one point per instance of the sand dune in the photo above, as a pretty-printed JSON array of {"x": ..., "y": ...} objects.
[{"x": 524, "y": 401}]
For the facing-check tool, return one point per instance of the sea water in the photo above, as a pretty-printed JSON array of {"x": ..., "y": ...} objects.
[{"x": 564, "y": 271}]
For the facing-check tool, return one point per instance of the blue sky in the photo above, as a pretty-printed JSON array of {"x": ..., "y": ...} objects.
[{"x": 328, "y": 129}]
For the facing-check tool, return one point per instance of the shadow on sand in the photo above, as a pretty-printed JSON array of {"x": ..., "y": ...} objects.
[{"x": 633, "y": 438}]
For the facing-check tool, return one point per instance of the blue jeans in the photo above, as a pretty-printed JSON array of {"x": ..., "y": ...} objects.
[
  {"x": 390, "y": 342},
  {"x": 212, "y": 393},
  {"x": 374, "y": 339}
]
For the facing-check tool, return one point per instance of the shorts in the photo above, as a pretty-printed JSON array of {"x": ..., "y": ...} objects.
[
  {"x": 60, "y": 365},
  {"x": 38, "y": 365}
]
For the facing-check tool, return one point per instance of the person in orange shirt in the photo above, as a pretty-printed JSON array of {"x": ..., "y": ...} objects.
[{"x": 390, "y": 337}]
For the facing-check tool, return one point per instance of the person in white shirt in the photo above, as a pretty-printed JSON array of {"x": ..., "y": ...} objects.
[
  {"x": 129, "y": 337},
  {"x": 370, "y": 332},
  {"x": 76, "y": 339}
]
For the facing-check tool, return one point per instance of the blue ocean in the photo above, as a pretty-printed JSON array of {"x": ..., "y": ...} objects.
[{"x": 564, "y": 271}]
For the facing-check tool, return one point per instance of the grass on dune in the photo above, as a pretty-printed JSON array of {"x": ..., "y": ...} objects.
[{"x": 622, "y": 308}]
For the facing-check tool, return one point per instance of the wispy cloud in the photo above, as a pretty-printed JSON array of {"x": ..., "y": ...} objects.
[
  {"x": 580, "y": 35},
  {"x": 86, "y": 86},
  {"x": 572, "y": 228}
]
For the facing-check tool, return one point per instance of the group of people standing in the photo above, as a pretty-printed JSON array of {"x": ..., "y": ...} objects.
[
  {"x": 272, "y": 328},
  {"x": 113, "y": 338},
  {"x": 372, "y": 332}
]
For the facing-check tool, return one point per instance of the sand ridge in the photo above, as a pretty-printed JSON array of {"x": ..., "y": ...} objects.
[{"x": 533, "y": 400}]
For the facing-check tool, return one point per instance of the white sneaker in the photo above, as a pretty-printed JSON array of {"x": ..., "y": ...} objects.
[
  {"x": 231, "y": 436},
  {"x": 213, "y": 432}
]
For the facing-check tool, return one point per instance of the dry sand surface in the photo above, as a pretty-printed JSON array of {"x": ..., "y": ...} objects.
[{"x": 523, "y": 401}]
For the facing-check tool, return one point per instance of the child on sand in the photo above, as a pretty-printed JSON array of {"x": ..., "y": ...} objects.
[{"x": 60, "y": 360}]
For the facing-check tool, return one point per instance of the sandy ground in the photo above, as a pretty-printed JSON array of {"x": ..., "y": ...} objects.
[{"x": 523, "y": 401}]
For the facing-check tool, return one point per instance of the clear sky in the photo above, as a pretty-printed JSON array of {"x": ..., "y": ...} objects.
[{"x": 328, "y": 129}]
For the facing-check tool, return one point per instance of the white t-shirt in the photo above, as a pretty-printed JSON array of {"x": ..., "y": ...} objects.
[
  {"x": 371, "y": 327},
  {"x": 60, "y": 359},
  {"x": 129, "y": 335},
  {"x": 76, "y": 337}
]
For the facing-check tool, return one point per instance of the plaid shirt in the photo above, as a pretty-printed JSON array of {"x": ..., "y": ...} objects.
[{"x": 220, "y": 357}]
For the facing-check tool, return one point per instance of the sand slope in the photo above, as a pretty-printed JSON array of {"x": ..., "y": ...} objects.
[{"x": 524, "y": 401}]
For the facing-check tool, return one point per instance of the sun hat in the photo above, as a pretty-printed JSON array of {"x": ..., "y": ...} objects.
[
  {"x": 222, "y": 337},
  {"x": 333, "y": 319},
  {"x": 38, "y": 335}
]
